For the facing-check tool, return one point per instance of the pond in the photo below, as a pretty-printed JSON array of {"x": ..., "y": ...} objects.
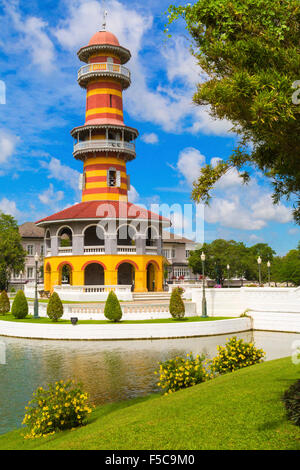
[{"x": 109, "y": 370}]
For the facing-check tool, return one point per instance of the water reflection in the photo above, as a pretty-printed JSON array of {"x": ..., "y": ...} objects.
[{"x": 109, "y": 370}]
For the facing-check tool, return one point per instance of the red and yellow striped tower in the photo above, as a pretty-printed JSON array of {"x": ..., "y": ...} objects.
[{"x": 104, "y": 143}]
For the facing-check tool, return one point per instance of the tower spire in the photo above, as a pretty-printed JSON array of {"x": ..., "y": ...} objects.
[{"x": 104, "y": 18}]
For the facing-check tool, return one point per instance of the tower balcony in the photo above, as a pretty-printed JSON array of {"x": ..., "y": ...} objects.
[
  {"x": 104, "y": 70},
  {"x": 104, "y": 145}
]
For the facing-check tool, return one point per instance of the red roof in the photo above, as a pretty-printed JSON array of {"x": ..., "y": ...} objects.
[
  {"x": 104, "y": 37},
  {"x": 102, "y": 210}
]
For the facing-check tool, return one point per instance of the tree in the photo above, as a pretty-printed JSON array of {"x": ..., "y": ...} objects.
[
  {"x": 176, "y": 307},
  {"x": 249, "y": 51},
  {"x": 55, "y": 309},
  {"x": 4, "y": 303},
  {"x": 12, "y": 254},
  {"x": 112, "y": 309},
  {"x": 19, "y": 307}
]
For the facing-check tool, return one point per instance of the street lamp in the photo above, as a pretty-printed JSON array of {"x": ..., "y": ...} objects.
[
  {"x": 228, "y": 269},
  {"x": 269, "y": 276},
  {"x": 204, "y": 306},
  {"x": 259, "y": 269},
  {"x": 36, "y": 302}
]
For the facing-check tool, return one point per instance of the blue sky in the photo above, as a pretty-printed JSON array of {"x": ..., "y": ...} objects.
[{"x": 38, "y": 174}]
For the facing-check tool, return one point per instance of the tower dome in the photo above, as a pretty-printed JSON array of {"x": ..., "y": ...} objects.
[{"x": 104, "y": 37}]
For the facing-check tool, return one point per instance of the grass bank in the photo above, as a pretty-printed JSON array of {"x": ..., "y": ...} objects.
[
  {"x": 241, "y": 410},
  {"x": 31, "y": 319}
]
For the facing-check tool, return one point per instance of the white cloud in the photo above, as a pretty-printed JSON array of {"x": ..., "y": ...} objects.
[
  {"x": 265, "y": 209},
  {"x": 35, "y": 39},
  {"x": 293, "y": 231},
  {"x": 189, "y": 164},
  {"x": 62, "y": 172},
  {"x": 9, "y": 207},
  {"x": 8, "y": 144},
  {"x": 151, "y": 138},
  {"x": 51, "y": 197},
  {"x": 133, "y": 195}
]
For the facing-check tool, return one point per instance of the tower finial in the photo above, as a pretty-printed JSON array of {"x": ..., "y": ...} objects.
[{"x": 104, "y": 20}]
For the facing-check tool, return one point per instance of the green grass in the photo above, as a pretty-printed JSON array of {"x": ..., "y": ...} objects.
[
  {"x": 241, "y": 410},
  {"x": 31, "y": 319}
]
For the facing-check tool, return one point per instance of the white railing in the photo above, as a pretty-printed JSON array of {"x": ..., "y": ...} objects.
[
  {"x": 104, "y": 67},
  {"x": 104, "y": 144},
  {"x": 94, "y": 249},
  {"x": 151, "y": 250},
  {"x": 126, "y": 250},
  {"x": 62, "y": 250},
  {"x": 89, "y": 289}
]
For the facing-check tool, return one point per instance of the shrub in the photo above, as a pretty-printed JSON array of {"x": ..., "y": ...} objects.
[
  {"x": 112, "y": 309},
  {"x": 4, "y": 303},
  {"x": 12, "y": 290},
  {"x": 19, "y": 307},
  {"x": 176, "y": 307},
  {"x": 64, "y": 405},
  {"x": 55, "y": 309},
  {"x": 181, "y": 372},
  {"x": 291, "y": 400},
  {"x": 235, "y": 355}
]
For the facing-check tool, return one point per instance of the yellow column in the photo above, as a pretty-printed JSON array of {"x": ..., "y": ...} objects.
[
  {"x": 78, "y": 278},
  {"x": 110, "y": 277},
  {"x": 140, "y": 281}
]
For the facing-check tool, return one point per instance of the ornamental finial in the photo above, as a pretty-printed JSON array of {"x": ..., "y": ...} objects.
[{"x": 104, "y": 20}]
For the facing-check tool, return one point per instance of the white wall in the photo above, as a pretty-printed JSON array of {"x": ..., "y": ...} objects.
[{"x": 233, "y": 302}]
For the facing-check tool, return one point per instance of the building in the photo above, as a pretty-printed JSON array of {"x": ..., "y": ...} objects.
[
  {"x": 104, "y": 240},
  {"x": 177, "y": 251},
  {"x": 32, "y": 242}
]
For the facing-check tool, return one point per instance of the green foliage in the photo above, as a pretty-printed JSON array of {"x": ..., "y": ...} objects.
[
  {"x": 241, "y": 259},
  {"x": 12, "y": 290},
  {"x": 291, "y": 400},
  {"x": 64, "y": 405},
  {"x": 181, "y": 372},
  {"x": 176, "y": 306},
  {"x": 235, "y": 355},
  {"x": 19, "y": 307},
  {"x": 4, "y": 303},
  {"x": 12, "y": 254},
  {"x": 55, "y": 309},
  {"x": 112, "y": 309},
  {"x": 249, "y": 51}
]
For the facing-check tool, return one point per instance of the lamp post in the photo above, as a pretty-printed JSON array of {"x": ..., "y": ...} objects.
[
  {"x": 228, "y": 269},
  {"x": 269, "y": 276},
  {"x": 259, "y": 269},
  {"x": 36, "y": 302},
  {"x": 204, "y": 306}
]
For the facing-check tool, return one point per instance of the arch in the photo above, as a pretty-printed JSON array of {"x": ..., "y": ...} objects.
[
  {"x": 94, "y": 274},
  {"x": 91, "y": 236},
  {"x": 47, "y": 277},
  {"x": 126, "y": 229},
  {"x": 61, "y": 265},
  {"x": 127, "y": 261},
  {"x": 126, "y": 274},
  {"x": 151, "y": 277},
  {"x": 65, "y": 236},
  {"x": 93, "y": 262},
  {"x": 153, "y": 262},
  {"x": 63, "y": 227},
  {"x": 48, "y": 267},
  {"x": 65, "y": 276}
]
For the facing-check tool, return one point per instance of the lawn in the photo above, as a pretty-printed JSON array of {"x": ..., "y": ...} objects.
[
  {"x": 241, "y": 410},
  {"x": 31, "y": 319}
]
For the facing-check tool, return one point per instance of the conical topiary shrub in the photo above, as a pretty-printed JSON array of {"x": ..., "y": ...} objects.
[
  {"x": 55, "y": 309},
  {"x": 19, "y": 307},
  {"x": 112, "y": 310},
  {"x": 4, "y": 303},
  {"x": 176, "y": 307}
]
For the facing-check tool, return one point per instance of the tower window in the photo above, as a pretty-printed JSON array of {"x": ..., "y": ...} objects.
[
  {"x": 110, "y": 101},
  {"x": 112, "y": 178}
]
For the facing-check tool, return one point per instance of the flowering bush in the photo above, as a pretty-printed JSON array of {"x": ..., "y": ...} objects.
[
  {"x": 63, "y": 406},
  {"x": 181, "y": 372},
  {"x": 235, "y": 355}
]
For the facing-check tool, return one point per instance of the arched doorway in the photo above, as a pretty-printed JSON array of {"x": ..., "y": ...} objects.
[
  {"x": 151, "y": 278},
  {"x": 94, "y": 275},
  {"x": 126, "y": 274},
  {"x": 65, "y": 274},
  {"x": 47, "y": 281}
]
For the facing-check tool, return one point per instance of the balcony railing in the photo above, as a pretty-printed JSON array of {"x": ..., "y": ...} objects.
[
  {"x": 92, "y": 250},
  {"x": 126, "y": 250},
  {"x": 62, "y": 250},
  {"x": 151, "y": 250},
  {"x": 104, "y": 68},
  {"x": 94, "y": 145}
]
